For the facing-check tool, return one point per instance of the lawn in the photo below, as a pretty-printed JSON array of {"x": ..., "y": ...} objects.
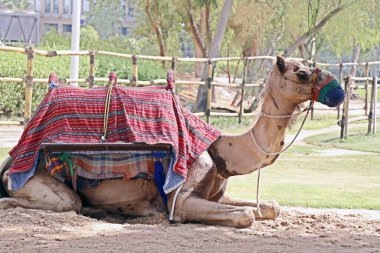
[
  {"x": 3, "y": 153},
  {"x": 304, "y": 177},
  {"x": 309, "y": 176},
  {"x": 357, "y": 139},
  {"x": 361, "y": 93},
  {"x": 231, "y": 125}
]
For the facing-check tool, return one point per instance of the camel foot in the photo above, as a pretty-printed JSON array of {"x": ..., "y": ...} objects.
[{"x": 269, "y": 210}]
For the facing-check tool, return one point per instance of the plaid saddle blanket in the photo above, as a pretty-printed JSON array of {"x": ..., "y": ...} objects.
[
  {"x": 84, "y": 169},
  {"x": 148, "y": 115}
]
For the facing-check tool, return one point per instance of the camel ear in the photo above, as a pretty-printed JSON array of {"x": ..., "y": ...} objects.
[{"x": 281, "y": 63}]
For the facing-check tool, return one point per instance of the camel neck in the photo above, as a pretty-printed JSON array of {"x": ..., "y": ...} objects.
[{"x": 239, "y": 155}]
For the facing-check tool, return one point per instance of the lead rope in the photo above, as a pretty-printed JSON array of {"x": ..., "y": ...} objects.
[
  {"x": 111, "y": 83},
  {"x": 307, "y": 109},
  {"x": 257, "y": 194},
  {"x": 106, "y": 113},
  {"x": 174, "y": 201},
  {"x": 276, "y": 153}
]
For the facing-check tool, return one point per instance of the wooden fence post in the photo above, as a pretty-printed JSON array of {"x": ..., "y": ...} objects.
[
  {"x": 370, "y": 113},
  {"x": 245, "y": 70},
  {"x": 366, "y": 72},
  {"x": 174, "y": 67},
  {"x": 312, "y": 108},
  {"x": 135, "y": 73},
  {"x": 174, "y": 64},
  {"x": 344, "y": 121},
  {"x": 374, "y": 103},
  {"x": 91, "y": 76},
  {"x": 340, "y": 82},
  {"x": 208, "y": 82},
  {"x": 347, "y": 105},
  {"x": 28, "y": 85}
]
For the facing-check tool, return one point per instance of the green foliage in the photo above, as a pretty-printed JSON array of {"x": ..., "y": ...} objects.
[
  {"x": 104, "y": 15},
  {"x": 360, "y": 23},
  {"x": 14, "y": 65},
  {"x": 89, "y": 37},
  {"x": 16, "y": 4}
]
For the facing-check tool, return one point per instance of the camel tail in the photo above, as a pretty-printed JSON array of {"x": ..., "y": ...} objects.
[{"x": 4, "y": 166}]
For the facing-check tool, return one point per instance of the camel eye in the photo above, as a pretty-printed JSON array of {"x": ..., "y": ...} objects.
[{"x": 302, "y": 75}]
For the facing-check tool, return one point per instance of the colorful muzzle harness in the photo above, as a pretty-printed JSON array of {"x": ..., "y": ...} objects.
[{"x": 329, "y": 92}]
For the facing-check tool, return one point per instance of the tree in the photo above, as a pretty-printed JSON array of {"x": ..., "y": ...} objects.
[
  {"x": 317, "y": 26},
  {"x": 213, "y": 51},
  {"x": 357, "y": 31},
  {"x": 16, "y": 4},
  {"x": 155, "y": 22},
  {"x": 258, "y": 27},
  {"x": 104, "y": 16},
  {"x": 162, "y": 24}
]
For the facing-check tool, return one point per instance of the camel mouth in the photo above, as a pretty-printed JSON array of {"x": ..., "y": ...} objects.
[
  {"x": 327, "y": 89},
  {"x": 331, "y": 94}
]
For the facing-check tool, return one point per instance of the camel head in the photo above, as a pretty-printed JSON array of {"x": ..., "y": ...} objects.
[{"x": 298, "y": 83}]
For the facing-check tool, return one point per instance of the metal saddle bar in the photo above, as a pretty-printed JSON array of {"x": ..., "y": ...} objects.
[{"x": 104, "y": 147}]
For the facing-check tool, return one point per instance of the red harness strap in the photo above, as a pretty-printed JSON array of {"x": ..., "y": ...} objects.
[{"x": 317, "y": 88}]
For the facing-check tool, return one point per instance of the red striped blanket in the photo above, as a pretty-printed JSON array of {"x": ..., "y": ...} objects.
[{"x": 137, "y": 115}]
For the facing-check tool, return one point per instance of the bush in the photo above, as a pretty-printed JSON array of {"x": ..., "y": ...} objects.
[{"x": 12, "y": 97}]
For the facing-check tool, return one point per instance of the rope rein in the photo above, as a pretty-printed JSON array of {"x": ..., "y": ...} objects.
[
  {"x": 307, "y": 109},
  {"x": 106, "y": 112},
  {"x": 314, "y": 79}
]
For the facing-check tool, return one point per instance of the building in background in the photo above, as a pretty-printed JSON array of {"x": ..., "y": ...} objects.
[
  {"x": 56, "y": 14},
  {"x": 19, "y": 27}
]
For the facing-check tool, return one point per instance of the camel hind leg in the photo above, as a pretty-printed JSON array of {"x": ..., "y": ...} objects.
[{"x": 40, "y": 192}]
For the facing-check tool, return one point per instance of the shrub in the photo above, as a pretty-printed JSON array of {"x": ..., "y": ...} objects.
[{"x": 12, "y": 97}]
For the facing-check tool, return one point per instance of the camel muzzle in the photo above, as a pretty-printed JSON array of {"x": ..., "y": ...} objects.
[{"x": 328, "y": 92}]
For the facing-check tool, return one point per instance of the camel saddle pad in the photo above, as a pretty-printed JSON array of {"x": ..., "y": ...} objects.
[{"x": 148, "y": 115}]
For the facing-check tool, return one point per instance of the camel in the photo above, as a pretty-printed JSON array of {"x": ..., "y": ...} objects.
[{"x": 202, "y": 197}]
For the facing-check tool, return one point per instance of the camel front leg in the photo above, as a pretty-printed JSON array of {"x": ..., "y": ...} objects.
[
  {"x": 200, "y": 210},
  {"x": 42, "y": 192},
  {"x": 269, "y": 210}
]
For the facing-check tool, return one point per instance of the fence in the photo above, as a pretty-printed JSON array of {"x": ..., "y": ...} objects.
[
  {"x": 209, "y": 83},
  {"x": 370, "y": 113}
]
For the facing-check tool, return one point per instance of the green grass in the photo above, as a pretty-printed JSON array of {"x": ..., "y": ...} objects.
[
  {"x": 301, "y": 177},
  {"x": 318, "y": 122},
  {"x": 3, "y": 153},
  {"x": 230, "y": 125},
  {"x": 357, "y": 139},
  {"x": 361, "y": 93}
]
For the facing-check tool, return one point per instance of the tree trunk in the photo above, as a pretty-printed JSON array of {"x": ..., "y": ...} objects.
[
  {"x": 355, "y": 58},
  {"x": 155, "y": 23},
  {"x": 198, "y": 50},
  {"x": 194, "y": 30},
  {"x": 214, "y": 50}
]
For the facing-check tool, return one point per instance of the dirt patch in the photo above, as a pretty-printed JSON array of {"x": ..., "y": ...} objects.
[{"x": 44, "y": 231}]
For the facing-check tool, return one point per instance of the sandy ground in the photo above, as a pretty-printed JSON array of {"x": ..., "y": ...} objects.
[{"x": 294, "y": 231}]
